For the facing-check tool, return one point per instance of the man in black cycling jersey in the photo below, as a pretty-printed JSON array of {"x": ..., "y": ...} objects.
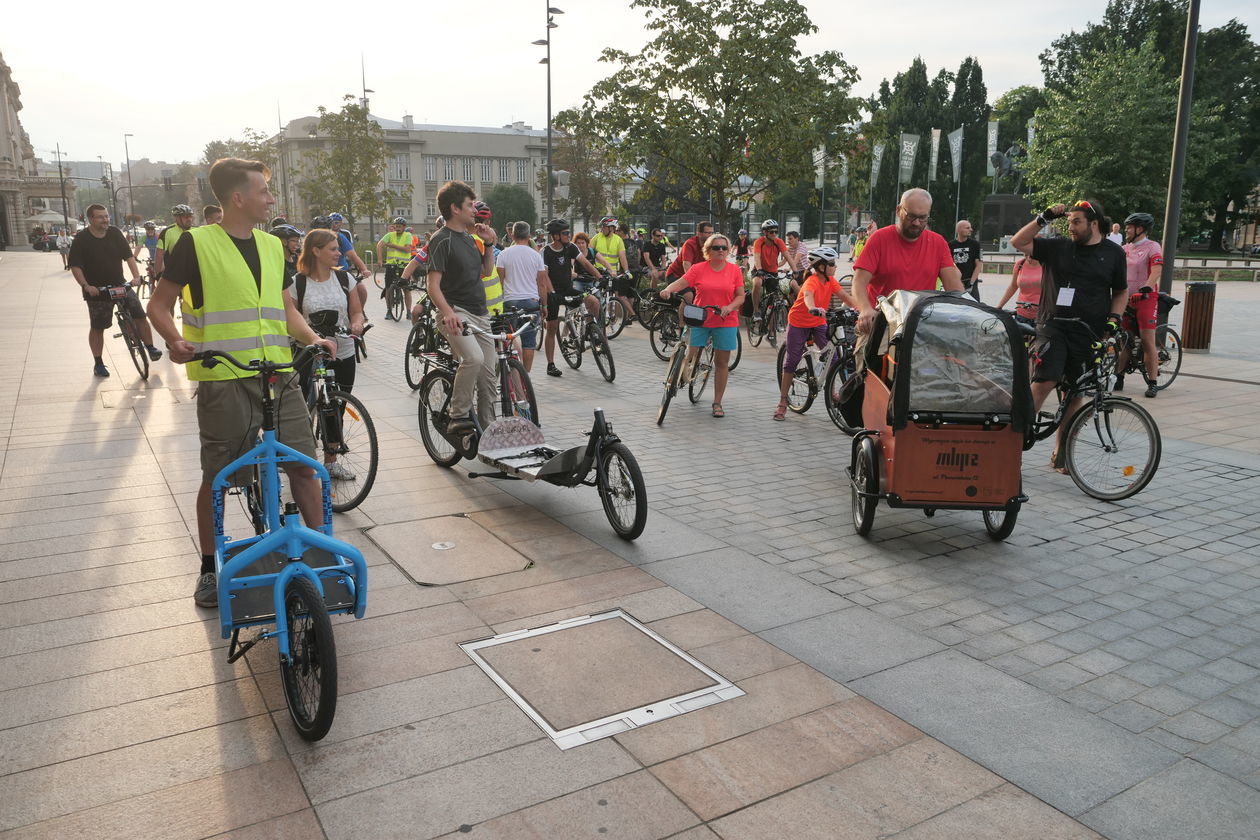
[
  {"x": 1083, "y": 277},
  {"x": 559, "y": 256}
]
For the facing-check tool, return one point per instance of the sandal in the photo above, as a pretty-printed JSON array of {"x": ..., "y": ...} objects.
[
  {"x": 780, "y": 413},
  {"x": 1058, "y": 462},
  {"x": 717, "y": 410}
]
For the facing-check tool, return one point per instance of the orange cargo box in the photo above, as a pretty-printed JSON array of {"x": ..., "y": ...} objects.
[{"x": 955, "y": 465}]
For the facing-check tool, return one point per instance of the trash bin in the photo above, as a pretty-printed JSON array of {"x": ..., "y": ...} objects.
[{"x": 1196, "y": 325}]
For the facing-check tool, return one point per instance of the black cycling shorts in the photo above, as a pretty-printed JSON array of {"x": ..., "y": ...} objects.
[
  {"x": 1061, "y": 354},
  {"x": 555, "y": 300},
  {"x": 101, "y": 310}
]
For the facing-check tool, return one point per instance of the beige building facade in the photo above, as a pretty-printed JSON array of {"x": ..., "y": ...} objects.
[
  {"x": 25, "y": 196},
  {"x": 423, "y": 156}
]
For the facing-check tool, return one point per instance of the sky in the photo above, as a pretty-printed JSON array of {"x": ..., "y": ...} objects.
[{"x": 188, "y": 73}]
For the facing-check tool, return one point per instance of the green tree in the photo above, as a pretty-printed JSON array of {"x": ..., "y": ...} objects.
[
  {"x": 511, "y": 203},
  {"x": 592, "y": 175},
  {"x": 705, "y": 101},
  {"x": 350, "y": 167},
  {"x": 1101, "y": 139}
]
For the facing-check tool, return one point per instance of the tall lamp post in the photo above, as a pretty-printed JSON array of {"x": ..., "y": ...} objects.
[
  {"x": 131, "y": 195},
  {"x": 546, "y": 42},
  {"x": 61, "y": 174}
]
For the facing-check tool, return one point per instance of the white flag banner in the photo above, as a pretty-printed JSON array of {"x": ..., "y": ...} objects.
[
  {"x": 934, "y": 157},
  {"x": 993, "y": 138}
]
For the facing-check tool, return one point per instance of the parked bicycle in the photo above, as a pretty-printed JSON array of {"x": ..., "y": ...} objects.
[
  {"x": 580, "y": 331},
  {"x": 345, "y": 434}
]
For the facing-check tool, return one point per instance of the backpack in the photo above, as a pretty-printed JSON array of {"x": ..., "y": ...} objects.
[{"x": 299, "y": 286}]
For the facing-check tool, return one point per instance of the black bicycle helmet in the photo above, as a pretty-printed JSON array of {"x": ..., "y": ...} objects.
[
  {"x": 556, "y": 226},
  {"x": 1142, "y": 220},
  {"x": 322, "y": 222},
  {"x": 286, "y": 232}
]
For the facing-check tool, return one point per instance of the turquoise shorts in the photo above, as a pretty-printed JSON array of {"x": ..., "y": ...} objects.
[{"x": 724, "y": 338}]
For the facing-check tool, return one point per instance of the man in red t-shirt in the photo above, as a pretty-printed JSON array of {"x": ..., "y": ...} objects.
[
  {"x": 769, "y": 252},
  {"x": 691, "y": 252},
  {"x": 904, "y": 255}
]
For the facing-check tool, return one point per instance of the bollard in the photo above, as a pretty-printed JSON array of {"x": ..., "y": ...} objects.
[{"x": 1196, "y": 322}]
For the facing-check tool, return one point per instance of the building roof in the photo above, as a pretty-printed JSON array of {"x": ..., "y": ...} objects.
[{"x": 515, "y": 129}]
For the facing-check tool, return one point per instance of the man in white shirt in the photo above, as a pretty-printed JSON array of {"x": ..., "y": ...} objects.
[
  {"x": 525, "y": 283},
  {"x": 1116, "y": 236}
]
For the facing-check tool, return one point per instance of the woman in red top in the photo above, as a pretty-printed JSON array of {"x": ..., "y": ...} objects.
[
  {"x": 808, "y": 316},
  {"x": 716, "y": 283}
]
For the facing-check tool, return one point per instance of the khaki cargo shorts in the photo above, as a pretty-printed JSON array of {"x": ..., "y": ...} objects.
[{"x": 229, "y": 415}]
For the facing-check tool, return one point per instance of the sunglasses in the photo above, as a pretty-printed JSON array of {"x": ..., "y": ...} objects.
[{"x": 719, "y": 247}]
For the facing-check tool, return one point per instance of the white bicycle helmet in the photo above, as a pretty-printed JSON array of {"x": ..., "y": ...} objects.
[
  {"x": 769, "y": 224},
  {"x": 823, "y": 253}
]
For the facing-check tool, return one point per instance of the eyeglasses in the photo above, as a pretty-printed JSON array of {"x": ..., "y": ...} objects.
[
  {"x": 913, "y": 217},
  {"x": 719, "y": 247}
]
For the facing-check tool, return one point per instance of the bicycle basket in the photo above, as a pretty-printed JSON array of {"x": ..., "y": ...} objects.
[{"x": 694, "y": 315}]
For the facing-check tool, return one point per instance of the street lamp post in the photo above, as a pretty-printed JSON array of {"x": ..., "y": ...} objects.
[
  {"x": 61, "y": 174},
  {"x": 551, "y": 24},
  {"x": 131, "y": 195}
]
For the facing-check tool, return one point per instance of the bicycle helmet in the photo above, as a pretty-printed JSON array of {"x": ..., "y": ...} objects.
[
  {"x": 1142, "y": 220},
  {"x": 286, "y": 232},
  {"x": 823, "y": 253},
  {"x": 607, "y": 220},
  {"x": 769, "y": 224},
  {"x": 556, "y": 226},
  {"x": 481, "y": 211},
  {"x": 743, "y": 232},
  {"x": 181, "y": 210},
  {"x": 642, "y": 231},
  {"x": 150, "y": 225},
  {"x": 336, "y": 217},
  {"x": 322, "y": 222},
  {"x": 399, "y": 220}
]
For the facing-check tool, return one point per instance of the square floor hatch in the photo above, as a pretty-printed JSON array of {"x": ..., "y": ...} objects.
[{"x": 587, "y": 678}]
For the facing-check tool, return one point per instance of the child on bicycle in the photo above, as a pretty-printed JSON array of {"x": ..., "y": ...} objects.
[{"x": 807, "y": 319}]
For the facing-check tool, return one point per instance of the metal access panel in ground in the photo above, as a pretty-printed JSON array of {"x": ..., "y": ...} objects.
[{"x": 599, "y": 675}]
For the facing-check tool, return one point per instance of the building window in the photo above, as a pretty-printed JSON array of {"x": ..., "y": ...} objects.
[
  {"x": 485, "y": 170},
  {"x": 430, "y": 209},
  {"x": 522, "y": 172},
  {"x": 503, "y": 171},
  {"x": 401, "y": 211},
  {"x": 430, "y": 169},
  {"x": 448, "y": 169},
  {"x": 468, "y": 169},
  {"x": 400, "y": 168}
]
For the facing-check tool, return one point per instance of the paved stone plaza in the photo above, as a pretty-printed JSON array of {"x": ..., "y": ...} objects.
[{"x": 1097, "y": 672}]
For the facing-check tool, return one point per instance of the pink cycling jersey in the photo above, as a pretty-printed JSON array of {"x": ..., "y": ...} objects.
[{"x": 1141, "y": 257}]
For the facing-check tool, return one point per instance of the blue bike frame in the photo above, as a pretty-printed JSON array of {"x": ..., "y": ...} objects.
[{"x": 290, "y": 537}]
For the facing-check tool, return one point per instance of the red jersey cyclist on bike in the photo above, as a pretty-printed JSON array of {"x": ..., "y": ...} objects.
[{"x": 1144, "y": 261}]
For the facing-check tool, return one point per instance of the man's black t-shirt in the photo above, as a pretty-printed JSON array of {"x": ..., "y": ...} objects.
[
  {"x": 455, "y": 255},
  {"x": 181, "y": 266},
  {"x": 657, "y": 252},
  {"x": 560, "y": 266},
  {"x": 966, "y": 254},
  {"x": 1094, "y": 273},
  {"x": 100, "y": 258}
]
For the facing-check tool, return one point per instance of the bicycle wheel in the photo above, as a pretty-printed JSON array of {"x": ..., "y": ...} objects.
[
  {"x": 1000, "y": 523},
  {"x": 520, "y": 393},
  {"x": 837, "y": 376},
  {"x": 739, "y": 352},
  {"x": 570, "y": 343},
  {"x": 622, "y": 491},
  {"x": 615, "y": 316},
  {"x": 772, "y": 325},
  {"x": 865, "y": 480},
  {"x": 309, "y": 674},
  {"x": 701, "y": 369},
  {"x": 135, "y": 347},
  {"x": 251, "y": 493},
  {"x": 413, "y": 358},
  {"x": 1113, "y": 448},
  {"x": 671, "y": 386},
  {"x": 780, "y": 318},
  {"x": 435, "y": 397},
  {"x": 354, "y": 445},
  {"x": 602, "y": 352},
  {"x": 663, "y": 333},
  {"x": 394, "y": 301},
  {"x": 1168, "y": 347},
  {"x": 804, "y": 388}
]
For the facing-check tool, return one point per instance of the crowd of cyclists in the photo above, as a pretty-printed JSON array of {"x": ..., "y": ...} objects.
[{"x": 277, "y": 281}]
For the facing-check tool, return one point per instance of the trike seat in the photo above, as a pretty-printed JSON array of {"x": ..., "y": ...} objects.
[{"x": 255, "y": 605}]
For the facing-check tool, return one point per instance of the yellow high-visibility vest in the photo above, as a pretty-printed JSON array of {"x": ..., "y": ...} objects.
[{"x": 236, "y": 316}]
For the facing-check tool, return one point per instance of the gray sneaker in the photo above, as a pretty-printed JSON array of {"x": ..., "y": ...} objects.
[
  {"x": 207, "y": 592},
  {"x": 339, "y": 473}
]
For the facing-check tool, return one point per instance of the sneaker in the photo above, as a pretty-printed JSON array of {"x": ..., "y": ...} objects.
[
  {"x": 339, "y": 473},
  {"x": 459, "y": 427},
  {"x": 1119, "y": 386},
  {"x": 154, "y": 353},
  {"x": 100, "y": 370},
  {"x": 207, "y": 592},
  {"x": 1151, "y": 389},
  {"x": 552, "y": 370}
]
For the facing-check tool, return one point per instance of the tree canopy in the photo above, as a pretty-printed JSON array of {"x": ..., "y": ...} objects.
[
  {"x": 511, "y": 203},
  {"x": 703, "y": 101},
  {"x": 348, "y": 169}
]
